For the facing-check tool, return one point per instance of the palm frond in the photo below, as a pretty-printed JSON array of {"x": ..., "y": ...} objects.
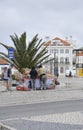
[{"x": 26, "y": 56}]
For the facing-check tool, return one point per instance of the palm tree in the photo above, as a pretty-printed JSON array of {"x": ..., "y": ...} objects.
[{"x": 26, "y": 56}]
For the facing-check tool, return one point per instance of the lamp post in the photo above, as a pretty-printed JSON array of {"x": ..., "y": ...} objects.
[
  {"x": 55, "y": 64},
  {"x": 51, "y": 58},
  {"x": 51, "y": 67}
]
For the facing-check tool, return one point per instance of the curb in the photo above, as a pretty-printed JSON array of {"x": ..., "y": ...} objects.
[{"x": 5, "y": 127}]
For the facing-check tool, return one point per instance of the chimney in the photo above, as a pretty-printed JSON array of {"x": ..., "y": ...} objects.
[
  {"x": 70, "y": 37},
  {"x": 66, "y": 38},
  {"x": 47, "y": 38}
]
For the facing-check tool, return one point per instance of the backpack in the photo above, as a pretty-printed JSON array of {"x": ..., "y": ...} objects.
[{"x": 8, "y": 72}]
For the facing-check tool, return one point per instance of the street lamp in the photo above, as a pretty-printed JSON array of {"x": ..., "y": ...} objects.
[{"x": 55, "y": 64}]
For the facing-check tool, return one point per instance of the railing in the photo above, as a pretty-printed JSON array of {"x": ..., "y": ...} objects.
[{"x": 64, "y": 62}]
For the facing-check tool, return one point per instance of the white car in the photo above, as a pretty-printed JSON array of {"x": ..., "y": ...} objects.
[{"x": 70, "y": 73}]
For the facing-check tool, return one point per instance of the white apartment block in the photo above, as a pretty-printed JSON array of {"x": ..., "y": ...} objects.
[{"x": 62, "y": 52}]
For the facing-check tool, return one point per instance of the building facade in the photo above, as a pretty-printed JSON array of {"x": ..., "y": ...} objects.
[
  {"x": 79, "y": 61},
  {"x": 62, "y": 51},
  {"x": 3, "y": 63}
]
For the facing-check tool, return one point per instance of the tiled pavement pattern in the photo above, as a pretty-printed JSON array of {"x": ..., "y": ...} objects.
[{"x": 65, "y": 121}]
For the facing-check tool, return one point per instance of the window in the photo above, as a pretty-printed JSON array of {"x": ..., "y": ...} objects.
[
  {"x": 66, "y": 68},
  {"x": 61, "y": 50},
  {"x": 56, "y": 50},
  {"x": 51, "y": 51},
  {"x": 61, "y": 70},
  {"x": 55, "y": 42},
  {"x": 61, "y": 59},
  {"x": 67, "y": 51},
  {"x": 67, "y": 60}
]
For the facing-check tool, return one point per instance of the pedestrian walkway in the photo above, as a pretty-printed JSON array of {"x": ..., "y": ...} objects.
[{"x": 60, "y": 93}]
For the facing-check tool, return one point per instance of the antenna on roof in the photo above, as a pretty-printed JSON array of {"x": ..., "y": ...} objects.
[
  {"x": 70, "y": 37},
  {"x": 47, "y": 38},
  {"x": 66, "y": 38}
]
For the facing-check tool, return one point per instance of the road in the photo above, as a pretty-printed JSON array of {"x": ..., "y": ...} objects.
[
  {"x": 10, "y": 115},
  {"x": 40, "y": 109}
]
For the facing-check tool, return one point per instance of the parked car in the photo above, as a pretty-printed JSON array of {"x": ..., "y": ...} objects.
[{"x": 70, "y": 73}]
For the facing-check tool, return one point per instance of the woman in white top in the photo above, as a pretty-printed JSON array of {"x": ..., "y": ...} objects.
[{"x": 5, "y": 77}]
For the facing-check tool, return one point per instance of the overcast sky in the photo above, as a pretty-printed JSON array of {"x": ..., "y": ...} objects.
[{"x": 53, "y": 18}]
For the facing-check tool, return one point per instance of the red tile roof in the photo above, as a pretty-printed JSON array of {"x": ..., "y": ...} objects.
[
  {"x": 2, "y": 61},
  {"x": 79, "y": 53},
  {"x": 64, "y": 42}
]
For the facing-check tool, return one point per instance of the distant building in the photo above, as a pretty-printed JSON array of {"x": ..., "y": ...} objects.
[
  {"x": 3, "y": 63},
  {"x": 62, "y": 52},
  {"x": 79, "y": 61}
]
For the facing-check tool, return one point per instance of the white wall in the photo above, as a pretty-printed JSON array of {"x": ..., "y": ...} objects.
[{"x": 1, "y": 66}]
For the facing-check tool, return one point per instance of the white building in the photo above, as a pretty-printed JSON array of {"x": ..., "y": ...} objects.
[
  {"x": 79, "y": 61},
  {"x": 62, "y": 51},
  {"x": 3, "y": 64}
]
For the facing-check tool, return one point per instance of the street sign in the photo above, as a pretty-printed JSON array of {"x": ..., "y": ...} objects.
[{"x": 10, "y": 53}]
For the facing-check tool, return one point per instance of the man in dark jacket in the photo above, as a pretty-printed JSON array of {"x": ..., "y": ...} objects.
[{"x": 33, "y": 76}]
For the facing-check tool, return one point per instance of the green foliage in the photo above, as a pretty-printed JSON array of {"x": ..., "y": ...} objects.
[
  {"x": 26, "y": 56},
  {"x": 13, "y": 77}
]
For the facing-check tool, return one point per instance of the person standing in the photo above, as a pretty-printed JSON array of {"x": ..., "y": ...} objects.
[
  {"x": 70, "y": 74},
  {"x": 42, "y": 76},
  {"x": 33, "y": 75},
  {"x": 9, "y": 75},
  {"x": 4, "y": 77}
]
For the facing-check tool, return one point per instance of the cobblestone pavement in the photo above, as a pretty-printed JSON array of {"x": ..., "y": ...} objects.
[
  {"x": 65, "y": 121},
  {"x": 69, "y": 88}
]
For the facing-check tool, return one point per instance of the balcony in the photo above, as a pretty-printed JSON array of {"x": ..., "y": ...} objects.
[
  {"x": 67, "y": 62},
  {"x": 74, "y": 63},
  {"x": 64, "y": 62}
]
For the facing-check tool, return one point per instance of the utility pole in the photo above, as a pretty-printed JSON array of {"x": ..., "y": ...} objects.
[{"x": 55, "y": 64}]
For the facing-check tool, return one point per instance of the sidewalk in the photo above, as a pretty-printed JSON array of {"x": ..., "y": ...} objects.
[{"x": 62, "y": 92}]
